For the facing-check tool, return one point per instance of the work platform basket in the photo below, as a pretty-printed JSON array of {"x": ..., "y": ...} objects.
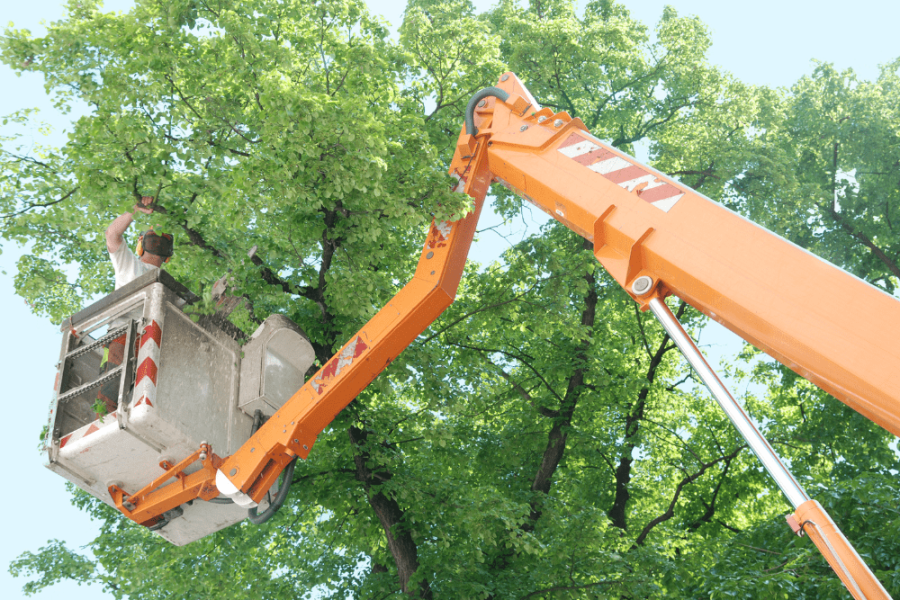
[{"x": 140, "y": 383}]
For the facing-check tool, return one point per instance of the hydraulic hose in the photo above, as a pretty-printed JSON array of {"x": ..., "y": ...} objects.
[
  {"x": 258, "y": 420},
  {"x": 220, "y": 500},
  {"x": 480, "y": 95},
  {"x": 280, "y": 497}
]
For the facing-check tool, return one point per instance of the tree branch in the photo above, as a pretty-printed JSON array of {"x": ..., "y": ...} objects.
[
  {"x": 670, "y": 511},
  {"x": 40, "y": 205},
  {"x": 543, "y": 411}
]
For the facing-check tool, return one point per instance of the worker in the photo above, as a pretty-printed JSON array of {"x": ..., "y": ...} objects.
[{"x": 152, "y": 251}]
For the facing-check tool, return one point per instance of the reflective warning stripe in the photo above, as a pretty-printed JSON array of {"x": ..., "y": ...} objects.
[
  {"x": 145, "y": 379},
  {"x": 624, "y": 173},
  {"x": 88, "y": 429},
  {"x": 152, "y": 332},
  {"x": 148, "y": 369}
]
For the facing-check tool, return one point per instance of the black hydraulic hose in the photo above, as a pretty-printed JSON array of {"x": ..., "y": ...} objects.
[
  {"x": 258, "y": 420},
  {"x": 478, "y": 97},
  {"x": 220, "y": 500},
  {"x": 258, "y": 519},
  {"x": 159, "y": 525}
]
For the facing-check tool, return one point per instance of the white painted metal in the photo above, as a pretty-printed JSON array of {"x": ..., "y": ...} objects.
[
  {"x": 610, "y": 165},
  {"x": 226, "y": 488},
  {"x": 192, "y": 398},
  {"x": 274, "y": 365}
]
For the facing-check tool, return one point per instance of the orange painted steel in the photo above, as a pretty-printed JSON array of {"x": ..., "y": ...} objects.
[
  {"x": 830, "y": 327},
  {"x": 293, "y": 429},
  {"x": 149, "y": 503},
  {"x": 812, "y": 519}
]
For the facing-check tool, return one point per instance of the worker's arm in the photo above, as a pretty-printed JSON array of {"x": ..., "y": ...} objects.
[{"x": 117, "y": 228}]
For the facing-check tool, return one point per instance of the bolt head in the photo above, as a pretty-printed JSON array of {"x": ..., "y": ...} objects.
[
  {"x": 523, "y": 127},
  {"x": 305, "y": 447},
  {"x": 233, "y": 472},
  {"x": 505, "y": 77},
  {"x": 642, "y": 285},
  {"x": 558, "y": 123},
  {"x": 541, "y": 119},
  {"x": 482, "y": 103}
]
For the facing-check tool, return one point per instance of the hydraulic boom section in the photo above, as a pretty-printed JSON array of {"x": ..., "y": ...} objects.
[
  {"x": 656, "y": 237},
  {"x": 830, "y": 327}
]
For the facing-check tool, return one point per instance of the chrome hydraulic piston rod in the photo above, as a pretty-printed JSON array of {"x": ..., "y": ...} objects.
[
  {"x": 748, "y": 430},
  {"x": 809, "y": 516}
]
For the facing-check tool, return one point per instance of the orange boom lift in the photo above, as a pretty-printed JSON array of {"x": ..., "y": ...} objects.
[{"x": 657, "y": 238}]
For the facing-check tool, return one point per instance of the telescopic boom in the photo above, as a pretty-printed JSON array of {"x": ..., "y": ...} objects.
[{"x": 656, "y": 237}]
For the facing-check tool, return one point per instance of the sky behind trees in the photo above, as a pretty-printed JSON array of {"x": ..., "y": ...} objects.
[{"x": 770, "y": 43}]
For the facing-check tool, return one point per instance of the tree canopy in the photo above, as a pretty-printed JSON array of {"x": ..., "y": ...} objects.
[{"x": 542, "y": 439}]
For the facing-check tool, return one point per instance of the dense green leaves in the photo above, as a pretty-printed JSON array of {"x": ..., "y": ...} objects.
[
  {"x": 832, "y": 147},
  {"x": 542, "y": 439}
]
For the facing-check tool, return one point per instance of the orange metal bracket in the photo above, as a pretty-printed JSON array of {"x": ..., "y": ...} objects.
[
  {"x": 859, "y": 580},
  {"x": 147, "y": 505},
  {"x": 655, "y": 237}
]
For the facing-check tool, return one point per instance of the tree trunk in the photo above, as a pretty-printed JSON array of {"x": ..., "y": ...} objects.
[{"x": 400, "y": 541}]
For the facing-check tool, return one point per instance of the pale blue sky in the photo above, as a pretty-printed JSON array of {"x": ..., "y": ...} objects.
[{"x": 763, "y": 42}]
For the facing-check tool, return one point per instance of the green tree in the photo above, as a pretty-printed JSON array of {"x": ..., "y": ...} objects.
[
  {"x": 833, "y": 147},
  {"x": 541, "y": 439}
]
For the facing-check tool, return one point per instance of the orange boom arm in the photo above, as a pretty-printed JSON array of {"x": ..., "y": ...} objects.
[
  {"x": 656, "y": 237},
  {"x": 293, "y": 429},
  {"x": 830, "y": 327}
]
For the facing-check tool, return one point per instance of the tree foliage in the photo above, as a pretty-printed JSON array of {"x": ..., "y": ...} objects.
[{"x": 542, "y": 439}]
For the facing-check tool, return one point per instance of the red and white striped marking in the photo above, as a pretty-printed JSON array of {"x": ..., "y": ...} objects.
[
  {"x": 148, "y": 361},
  {"x": 87, "y": 430},
  {"x": 627, "y": 175},
  {"x": 334, "y": 367}
]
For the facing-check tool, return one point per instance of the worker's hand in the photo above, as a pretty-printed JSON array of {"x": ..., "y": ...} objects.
[{"x": 143, "y": 205}]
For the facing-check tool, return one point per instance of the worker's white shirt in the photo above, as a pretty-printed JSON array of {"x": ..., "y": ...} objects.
[{"x": 127, "y": 265}]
